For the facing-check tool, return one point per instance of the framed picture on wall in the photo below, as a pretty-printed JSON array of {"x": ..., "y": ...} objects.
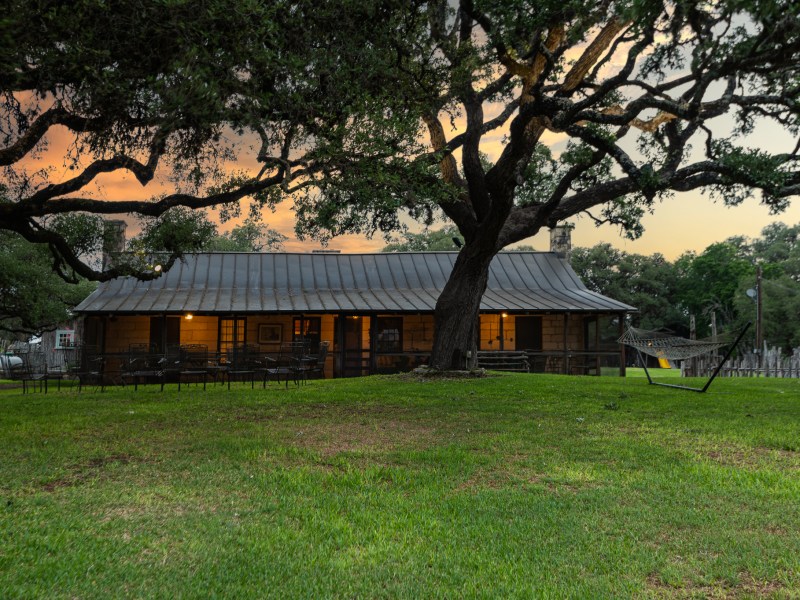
[{"x": 270, "y": 333}]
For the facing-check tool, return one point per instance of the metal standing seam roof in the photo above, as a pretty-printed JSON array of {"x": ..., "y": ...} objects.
[{"x": 403, "y": 282}]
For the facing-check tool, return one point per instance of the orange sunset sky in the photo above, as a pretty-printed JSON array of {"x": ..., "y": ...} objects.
[{"x": 688, "y": 221}]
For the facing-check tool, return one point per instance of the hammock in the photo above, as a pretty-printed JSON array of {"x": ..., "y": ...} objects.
[
  {"x": 672, "y": 347},
  {"x": 666, "y": 345}
]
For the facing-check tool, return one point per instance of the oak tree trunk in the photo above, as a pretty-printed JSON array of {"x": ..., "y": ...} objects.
[{"x": 455, "y": 340}]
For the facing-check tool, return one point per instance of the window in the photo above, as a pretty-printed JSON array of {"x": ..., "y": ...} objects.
[
  {"x": 489, "y": 333},
  {"x": 389, "y": 334},
  {"x": 308, "y": 330},
  {"x": 65, "y": 338},
  {"x": 231, "y": 334}
]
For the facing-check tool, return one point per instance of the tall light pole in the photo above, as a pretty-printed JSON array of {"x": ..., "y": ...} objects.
[
  {"x": 755, "y": 294},
  {"x": 759, "y": 313}
]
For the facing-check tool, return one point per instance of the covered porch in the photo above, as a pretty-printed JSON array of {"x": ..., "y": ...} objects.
[{"x": 374, "y": 343}]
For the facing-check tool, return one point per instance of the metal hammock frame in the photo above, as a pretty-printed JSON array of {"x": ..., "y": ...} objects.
[{"x": 664, "y": 345}]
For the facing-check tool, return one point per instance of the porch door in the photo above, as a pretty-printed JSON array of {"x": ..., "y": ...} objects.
[
  {"x": 529, "y": 333},
  {"x": 165, "y": 332},
  {"x": 94, "y": 333},
  {"x": 354, "y": 353},
  {"x": 308, "y": 330},
  {"x": 231, "y": 335},
  {"x": 590, "y": 365}
]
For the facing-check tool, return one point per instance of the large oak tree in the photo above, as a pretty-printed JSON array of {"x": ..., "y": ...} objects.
[
  {"x": 643, "y": 98},
  {"x": 372, "y": 109}
]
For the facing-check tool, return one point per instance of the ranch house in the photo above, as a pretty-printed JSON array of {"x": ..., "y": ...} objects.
[{"x": 374, "y": 310}]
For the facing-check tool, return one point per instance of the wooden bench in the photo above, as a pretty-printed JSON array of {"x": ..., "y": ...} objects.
[{"x": 503, "y": 361}]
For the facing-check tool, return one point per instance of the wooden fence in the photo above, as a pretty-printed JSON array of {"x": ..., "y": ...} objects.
[{"x": 773, "y": 363}]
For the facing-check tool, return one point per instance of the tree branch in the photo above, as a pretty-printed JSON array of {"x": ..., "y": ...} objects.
[
  {"x": 590, "y": 56},
  {"x": 37, "y": 130},
  {"x": 144, "y": 173}
]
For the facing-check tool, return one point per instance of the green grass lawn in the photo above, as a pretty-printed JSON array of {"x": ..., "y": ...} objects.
[
  {"x": 656, "y": 374},
  {"x": 506, "y": 486}
]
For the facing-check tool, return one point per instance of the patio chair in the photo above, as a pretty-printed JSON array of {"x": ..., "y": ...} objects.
[
  {"x": 276, "y": 366},
  {"x": 314, "y": 364},
  {"x": 242, "y": 364},
  {"x": 144, "y": 365},
  {"x": 193, "y": 363},
  {"x": 72, "y": 363},
  {"x": 33, "y": 372},
  {"x": 172, "y": 362},
  {"x": 53, "y": 373},
  {"x": 217, "y": 367},
  {"x": 89, "y": 368},
  {"x": 287, "y": 364}
]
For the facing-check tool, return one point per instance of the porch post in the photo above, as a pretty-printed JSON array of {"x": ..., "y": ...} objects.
[
  {"x": 621, "y": 331},
  {"x": 339, "y": 343},
  {"x": 373, "y": 362},
  {"x": 566, "y": 350},
  {"x": 163, "y": 342},
  {"x": 598, "y": 361}
]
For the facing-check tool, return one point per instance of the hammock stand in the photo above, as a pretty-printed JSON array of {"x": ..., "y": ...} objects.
[{"x": 663, "y": 345}]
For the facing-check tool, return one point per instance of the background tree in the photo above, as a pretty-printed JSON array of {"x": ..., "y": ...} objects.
[
  {"x": 781, "y": 311},
  {"x": 777, "y": 252},
  {"x": 646, "y": 98},
  {"x": 649, "y": 283},
  {"x": 183, "y": 230},
  {"x": 710, "y": 282},
  {"x": 429, "y": 240},
  {"x": 715, "y": 280},
  {"x": 33, "y": 299},
  {"x": 250, "y": 236},
  {"x": 445, "y": 239},
  {"x": 779, "y": 246}
]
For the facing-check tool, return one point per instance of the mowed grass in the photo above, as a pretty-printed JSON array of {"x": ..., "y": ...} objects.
[
  {"x": 504, "y": 486},
  {"x": 656, "y": 373}
]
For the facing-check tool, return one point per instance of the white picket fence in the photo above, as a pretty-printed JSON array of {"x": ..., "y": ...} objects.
[{"x": 773, "y": 364}]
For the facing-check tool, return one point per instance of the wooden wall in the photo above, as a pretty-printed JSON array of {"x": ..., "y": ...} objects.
[
  {"x": 552, "y": 332},
  {"x": 121, "y": 332},
  {"x": 200, "y": 330},
  {"x": 417, "y": 332}
]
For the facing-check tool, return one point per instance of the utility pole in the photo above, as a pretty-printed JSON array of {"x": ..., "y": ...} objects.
[
  {"x": 693, "y": 336},
  {"x": 759, "y": 316},
  {"x": 715, "y": 355}
]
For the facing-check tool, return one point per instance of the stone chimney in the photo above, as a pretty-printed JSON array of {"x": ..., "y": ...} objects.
[
  {"x": 113, "y": 241},
  {"x": 561, "y": 240}
]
